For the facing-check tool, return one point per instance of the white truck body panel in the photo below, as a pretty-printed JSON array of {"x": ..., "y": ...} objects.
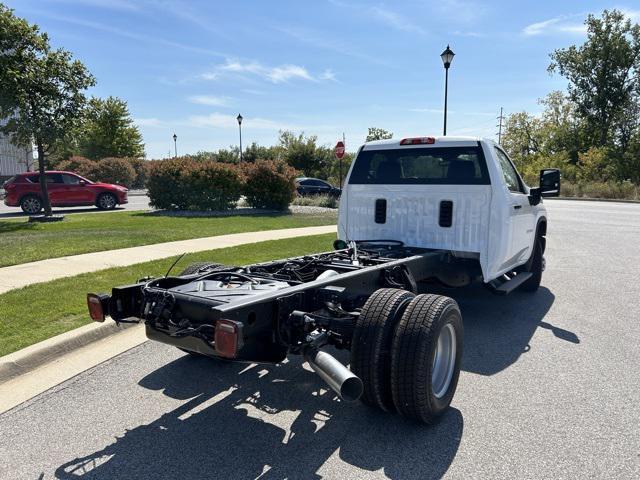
[{"x": 490, "y": 222}]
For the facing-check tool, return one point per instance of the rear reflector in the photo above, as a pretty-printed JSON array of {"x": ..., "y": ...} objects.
[
  {"x": 418, "y": 141},
  {"x": 96, "y": 306},
  {"x": 228, "y": 338}
]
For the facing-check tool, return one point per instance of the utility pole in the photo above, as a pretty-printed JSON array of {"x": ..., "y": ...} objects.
[{"x": 500, "y": 119}]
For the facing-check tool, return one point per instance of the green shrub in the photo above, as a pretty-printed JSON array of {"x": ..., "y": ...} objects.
[
  {"x": 80, "y": 165},
  {"x": 269, "y": 184},
  {"x": 612, "y": 190},
  {"x": 141, "y": 168},
  {"x": 114, "y": 170},
  {"x": 213, "y": 186},
  {"x": 187, "y": 184},
  {"x": 326, "y": 201}
]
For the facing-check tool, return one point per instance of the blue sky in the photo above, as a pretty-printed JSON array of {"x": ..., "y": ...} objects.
[{"x": 323, "y": 67}]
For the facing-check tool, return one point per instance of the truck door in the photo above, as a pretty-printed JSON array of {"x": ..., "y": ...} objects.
[{"x": 521, "y": 215}]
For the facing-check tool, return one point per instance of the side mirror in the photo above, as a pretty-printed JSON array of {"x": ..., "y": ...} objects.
[
  {"x": 82, "y": 183},
  {"x": 550, "y": 182},
  {"x": 549, "y": 186}
]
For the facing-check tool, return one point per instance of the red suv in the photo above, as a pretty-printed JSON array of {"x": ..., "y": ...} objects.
[{"x": 66, "y": 189}]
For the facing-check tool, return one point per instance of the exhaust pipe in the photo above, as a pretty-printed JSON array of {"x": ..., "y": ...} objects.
[{"x": 338, "y": 377}]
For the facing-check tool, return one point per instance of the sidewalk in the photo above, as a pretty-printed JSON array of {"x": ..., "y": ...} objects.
[{"x": 18, "y": 276}]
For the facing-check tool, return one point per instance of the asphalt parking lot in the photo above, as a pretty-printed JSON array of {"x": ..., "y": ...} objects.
[{"x": 550, "y": 388}]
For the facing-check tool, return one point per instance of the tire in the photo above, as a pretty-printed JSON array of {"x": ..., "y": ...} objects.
[
  {"x": 430, "y": 329},
  {"x": 371, "y": 344},
  {"x": 106, "y": 201},
  {"x": 198, "y": 267},
  {"x": 31, "y": 204},
  {"x": 536, "y": 267}
]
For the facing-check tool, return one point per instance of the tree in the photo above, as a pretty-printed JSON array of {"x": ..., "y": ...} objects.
[
  {"x": 603, "y": 74},
  {"x": 522, "y": 135},
  {"x": 303, "y": 154},
  {"x": 378, "y": 134},
  {"x": 108, "y": 131},
  {"x": 41, "y": 90},
  {"x": 562, "y": 130},
  {"x": 255, "y": 152}
]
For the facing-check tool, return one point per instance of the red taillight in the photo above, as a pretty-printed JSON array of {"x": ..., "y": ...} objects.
[
  {"x": 96, "y": 309},
  {"x": 418, "y": 141},
  {"x": 228, "y": 338}
]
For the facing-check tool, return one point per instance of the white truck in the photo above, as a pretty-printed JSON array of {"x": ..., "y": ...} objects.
[
  {"x": 413, "y": 211},
  {"x": 460, "y": 194}
]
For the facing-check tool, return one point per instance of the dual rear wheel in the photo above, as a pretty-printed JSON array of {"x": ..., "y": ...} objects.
[{"x": 407, "y": 350}]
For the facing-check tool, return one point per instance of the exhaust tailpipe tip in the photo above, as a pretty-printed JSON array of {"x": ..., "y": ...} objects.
[{"x": 341, "y": 380}]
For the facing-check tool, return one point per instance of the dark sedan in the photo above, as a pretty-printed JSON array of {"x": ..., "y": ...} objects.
[{"x": 314, "y": 186}]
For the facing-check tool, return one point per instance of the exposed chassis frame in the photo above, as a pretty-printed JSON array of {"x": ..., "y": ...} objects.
[{"x": 299, "y": 309}]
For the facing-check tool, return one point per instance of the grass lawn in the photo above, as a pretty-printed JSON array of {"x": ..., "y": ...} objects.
[
  {"x": 22, "y": 242},
  {"x": 35, "y": 313}
]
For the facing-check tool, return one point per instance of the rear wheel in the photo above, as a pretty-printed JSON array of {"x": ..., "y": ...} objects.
[
  {"x": 31, "y": 204},
  {"x": 425, "y": 357},
  {"x": 106, "y": 201},
  {"x": 371, "y": 344}
]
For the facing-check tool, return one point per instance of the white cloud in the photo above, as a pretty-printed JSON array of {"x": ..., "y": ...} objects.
[
  {"x": 274, "y": 74},
  {"x": 395, "y": 20},
  {"x": 633, "y": 15},
  {"x": 327, "y": 41},
  {"x": 569, "y": 24},
  {"x": 221, "y": 120},
  {"x": 560, "y": 24},
  {"x": 328, "y": 75},
  {"x": 148, "y": 122},
  {"x": 287, "y": 72},
  {"x": 384, "y": 15},
  {"x": 108, "y": 28},
  {"x": 464, "y": 11},
  {"x": 210, "y": 100},
  {"x": 109, "y": 4}
]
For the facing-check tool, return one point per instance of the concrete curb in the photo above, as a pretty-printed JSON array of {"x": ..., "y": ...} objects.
[
  {"x": 33, "y": 356},
  {"x": 589, "y": 199}
]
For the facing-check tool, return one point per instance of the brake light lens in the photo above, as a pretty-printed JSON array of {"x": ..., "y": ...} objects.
[
  {"x": 228, "y": 338},
  {"x": 418, "y": 141},
  {"x": 96, "y": 309}
]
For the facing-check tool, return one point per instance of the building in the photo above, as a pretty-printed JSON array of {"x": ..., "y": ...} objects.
[{"x": 14, "y": 159}]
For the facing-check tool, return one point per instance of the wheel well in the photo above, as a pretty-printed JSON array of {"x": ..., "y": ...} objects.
[
  {"x": 29, "y": 195},
  {"x": 541, "y": 232},
  {"x": 99, "y": 194}
]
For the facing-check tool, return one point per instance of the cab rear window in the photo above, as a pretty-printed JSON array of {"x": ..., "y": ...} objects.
[{"x": 421, "y": 166}]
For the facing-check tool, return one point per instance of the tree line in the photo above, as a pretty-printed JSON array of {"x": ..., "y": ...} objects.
[{"x": 592, "y": 130}]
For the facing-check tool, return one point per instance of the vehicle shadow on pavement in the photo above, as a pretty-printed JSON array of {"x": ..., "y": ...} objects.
[
  {"x": 276, "y": 421},
  {"x": 498, "y": 329}
]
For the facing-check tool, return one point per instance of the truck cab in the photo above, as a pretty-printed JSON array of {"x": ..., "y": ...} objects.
[{"x": 459, "y": 194}]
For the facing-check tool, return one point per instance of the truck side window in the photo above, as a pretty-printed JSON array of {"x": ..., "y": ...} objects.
[{"x": 509, "y": 172}]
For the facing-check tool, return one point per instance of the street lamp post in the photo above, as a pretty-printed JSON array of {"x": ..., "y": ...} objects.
[
  {"x": 175, "y": 145},
  {"x": 239, "y": 118},
  {"x": 447, "y": 58}
]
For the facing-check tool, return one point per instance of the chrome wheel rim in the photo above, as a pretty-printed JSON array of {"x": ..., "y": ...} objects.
[
  {"x": 444, "y": 361},
  {"x": 107, "y": 201},
  {"x": 31, "y": 205}
]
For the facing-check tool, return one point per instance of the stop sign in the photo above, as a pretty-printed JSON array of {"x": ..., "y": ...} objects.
[{"x": 339, "y": 150}]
